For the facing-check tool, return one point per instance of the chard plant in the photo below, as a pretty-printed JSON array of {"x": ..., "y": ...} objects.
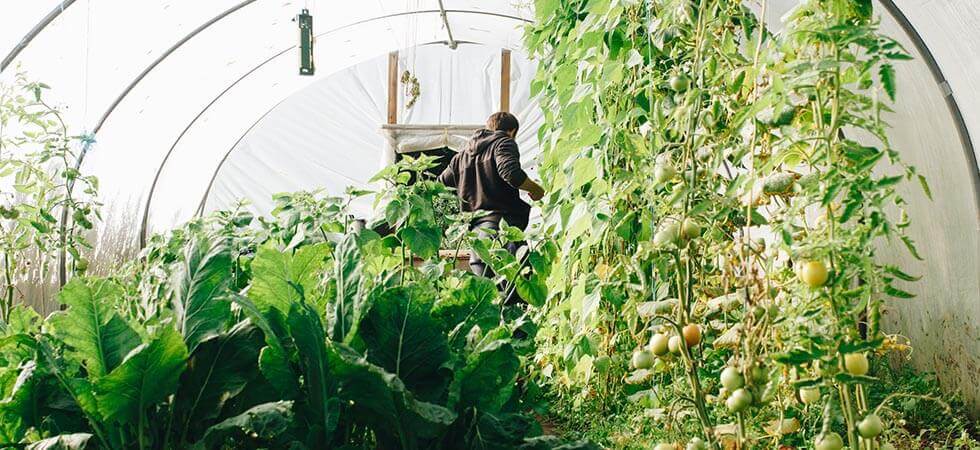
[
  {"x": 296, "y": 331},
  {"x": 718, "y": 192}
]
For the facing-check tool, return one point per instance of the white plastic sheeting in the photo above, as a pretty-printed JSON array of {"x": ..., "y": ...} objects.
[{"x": 329, "y": 134}]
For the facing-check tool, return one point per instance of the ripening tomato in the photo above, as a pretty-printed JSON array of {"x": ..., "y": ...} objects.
[
  {"x": 658, "y": 344},
  {"x": 674, "y": 344},
  {"x": 813, "y": 273},
  {"x": 692, "y": 334}
]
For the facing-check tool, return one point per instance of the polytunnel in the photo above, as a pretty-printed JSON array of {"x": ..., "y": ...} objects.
[{"x": 195, "y": 105}]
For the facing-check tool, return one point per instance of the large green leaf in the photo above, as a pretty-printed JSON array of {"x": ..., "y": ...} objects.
[
  {"x": 486, "y": 382},
  {"x": 319, "y": 406},
  {"x": 76, "y": 441},
  {"x": 148, "y": 375},
  {"x": 95, "y": 335},
  {"x": 422, "y": 239},
  {"x": 274, "y": 358},
  {"x": 219, "y": 369},
  {"x": 17, "y": 408},
  {"x": 400, "y": 335},
  {"x": 199, "y": 286},
  {"x": 345, "y": 311},
  {"x": 283, "y": 278},
  {"x": 263, "y": 425},
  {"x": 470, "y": 305},
  {"x": 381, "y": 401}
]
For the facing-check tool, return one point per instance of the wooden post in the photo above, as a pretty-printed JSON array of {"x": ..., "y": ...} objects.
[
  {"x": 393, "y": 88},
  {"x": 505, "y": 80}
]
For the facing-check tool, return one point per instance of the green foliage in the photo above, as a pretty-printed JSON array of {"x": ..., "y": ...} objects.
[
  {"x": 696, "y": 162},
  {"x": 295, "y": 331},
  {"x": 51, "y": 206}
]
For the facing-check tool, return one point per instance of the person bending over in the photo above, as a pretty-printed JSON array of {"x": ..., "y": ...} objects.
[{"x": 488, "y": 177}]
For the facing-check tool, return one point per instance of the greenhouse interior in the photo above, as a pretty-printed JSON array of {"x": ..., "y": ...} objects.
[{"x": 476, "y": 224}]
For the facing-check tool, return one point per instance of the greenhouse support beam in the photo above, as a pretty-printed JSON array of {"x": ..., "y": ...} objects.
[
  {"x": 62, "y": 259},
  {"x": 166, "y": 157},
  {"x": 445, "y": 23},
  {"x": 954, "y": 108},
  {"x": 132, "y": 85},
  {"x": 26, "y": 40}
]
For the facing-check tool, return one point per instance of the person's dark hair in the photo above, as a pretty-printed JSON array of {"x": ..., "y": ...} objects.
[{"x": 503, "y": 121}]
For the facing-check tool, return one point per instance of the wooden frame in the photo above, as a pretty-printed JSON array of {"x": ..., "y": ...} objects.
[
  {"x": 505, "y": 80},
  {"x": 393, "y": 87}
]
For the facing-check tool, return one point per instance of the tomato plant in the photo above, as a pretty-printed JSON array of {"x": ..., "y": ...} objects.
[
  {"x": 47, "y": 205},
  {"x": 708, "y": 193}
]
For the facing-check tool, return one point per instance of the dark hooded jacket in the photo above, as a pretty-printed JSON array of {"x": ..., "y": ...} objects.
[{"x": 487, "y": 175}]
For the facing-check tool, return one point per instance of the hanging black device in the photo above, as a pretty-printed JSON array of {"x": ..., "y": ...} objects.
[{"x": 305, "y": 21}]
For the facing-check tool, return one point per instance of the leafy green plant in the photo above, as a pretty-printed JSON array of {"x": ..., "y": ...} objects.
[
  {"x": 714, "y": 211},
  {"x": 38, "y": 160},
  {"x": 295, "y": 331}
]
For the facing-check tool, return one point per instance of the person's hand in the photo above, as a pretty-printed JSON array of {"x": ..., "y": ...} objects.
[{"x": 536, "y": 194}]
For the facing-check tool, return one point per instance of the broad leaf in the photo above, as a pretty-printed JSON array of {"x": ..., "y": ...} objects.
[
  {"x": 263, "y": 424},
  {"x": 319, "y": 406},
  {"x": 148, "y": 375},
  {"x": 96, "y": 336},
  {"x": 381, "y": 401},
  {"x": 422, "y": 239},
  {"x": 199, "y": 284},
  {"x": 76, "y": 441},
  {"x": 400, "y": 335},
  {"x": 273, "y": 359},
  {"x": 344, "y": 314},
  {"x": 282, "y": 278},
  {"x": 219, "y": 369},
  {"x": 471, "y": 305},
  {"x": 487, "y": 380}
]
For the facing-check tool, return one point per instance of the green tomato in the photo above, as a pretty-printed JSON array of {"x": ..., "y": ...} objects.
[
  {"x": 871, "y": 426},
  {"x": 829, "y": 441},
  {"x": 697, "y": 444},
  {"x": 668, "y": 234},
  {"x": 739, "y": 401},
  {"x": 856, "y": 363},
  {"x": 663, "y": 173},
  {"x": 658, "y": 344},
  {"x": 664, "y": 446},
  {"x": 674, "y": 344},
  {"x": 690, "y": 228},
  {"x": 680, "y": 83},
  {"x": 732, "y": 379},
  {"x": 642, "y": 359},
  {"x": 810, "y": 395}
]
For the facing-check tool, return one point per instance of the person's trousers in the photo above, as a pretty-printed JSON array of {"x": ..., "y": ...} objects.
[{"x": 488, "y": 230}]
